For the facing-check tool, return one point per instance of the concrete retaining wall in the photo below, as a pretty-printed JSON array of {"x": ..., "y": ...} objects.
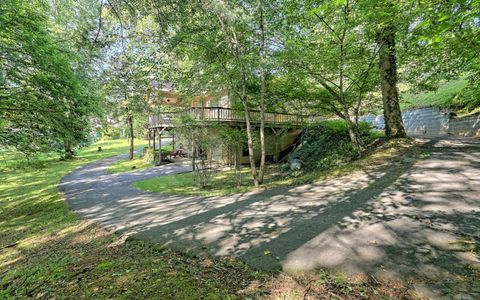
[{"x": 432, "y": 122}]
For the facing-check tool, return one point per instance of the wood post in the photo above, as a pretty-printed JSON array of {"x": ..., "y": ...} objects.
[
  {"x": 149, "y": 141},
  {"x": 173, "y": 142},
  {"x": 153, "y": 140},
  {"x": 159, "y": 146}
]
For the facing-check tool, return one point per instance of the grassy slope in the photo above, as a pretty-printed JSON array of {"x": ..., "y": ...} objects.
[
  {"x": 46, "y": 251},
  {"x": 443, "y": 97}
]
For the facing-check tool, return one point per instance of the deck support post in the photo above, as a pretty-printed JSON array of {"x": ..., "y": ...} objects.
[
  {"x": 173, "y": 142},
  {"x": 159, "y": 146},
  {"x": 149, "y": 136},
  {"x": 153, "y": 140}
]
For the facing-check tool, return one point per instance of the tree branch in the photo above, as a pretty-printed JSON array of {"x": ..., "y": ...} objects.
[
  {"x": 99, "y": 22},
  {"x": 122, "y": 37},
  {"x": 328, "y": 26}
]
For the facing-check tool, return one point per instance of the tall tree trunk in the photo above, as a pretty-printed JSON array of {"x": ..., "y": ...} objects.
[
  {"x": 130, "y": 125},
  {"x": 232, "y": 40},
  {"x": 388, "y": 73},
  {"x": 67, "y": 146},
  {"x": 244, "y": 100},
  {"x": 352, "y": 126},
  {"x": 251, "y": 155},
  {"x": 262, "y": 96},
  {"x": 238, "y": 173}
]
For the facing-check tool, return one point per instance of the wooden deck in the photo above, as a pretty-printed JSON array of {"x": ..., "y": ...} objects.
[{"x": 228, "y": 115}]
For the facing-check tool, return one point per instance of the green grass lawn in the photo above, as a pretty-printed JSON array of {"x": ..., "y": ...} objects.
[
  {"x": 47, "y": 252},
  {"x": 137, "y": 163},
  {"x": 127, "y": 165},
  {"x": 221, "y": 183}
]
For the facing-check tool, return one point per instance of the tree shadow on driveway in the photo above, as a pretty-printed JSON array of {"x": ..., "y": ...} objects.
[
  {"x": 407, "y": 220},
  {"x": 266, "y": 227},
  {"x": 417, "y": 217}
]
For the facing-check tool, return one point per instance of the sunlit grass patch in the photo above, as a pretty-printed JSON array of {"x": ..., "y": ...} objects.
[
  {"x": 137, "y": 163},
  {"x": 29, "y": 199},
  {"x": 220, "y": 183},
  {"x": 225, "y": 182},
  {"x": 126, "y": 165}
]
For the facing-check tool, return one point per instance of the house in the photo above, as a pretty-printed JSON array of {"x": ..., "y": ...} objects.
[{"x": 282, "y": 130}]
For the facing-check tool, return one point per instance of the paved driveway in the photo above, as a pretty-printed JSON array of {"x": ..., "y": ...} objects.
[{"x": 418, "y": 217}]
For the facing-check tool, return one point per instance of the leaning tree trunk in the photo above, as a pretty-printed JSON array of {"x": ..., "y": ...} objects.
[
  {"x": 130, "y": 125},
  {"x": 388, "y": 73},
  {"x": 354, "y": 135}
]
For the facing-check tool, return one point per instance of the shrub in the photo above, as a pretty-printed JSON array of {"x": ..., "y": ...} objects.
[
  {"x": 467, "y": 100},
  {"x": 327, "y": 144},
  {"x": 111, "y": 133},
  {"x": 148, "y": 155}
]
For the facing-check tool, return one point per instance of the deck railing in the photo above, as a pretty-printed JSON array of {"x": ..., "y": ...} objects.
[{"x": 222, "y": 114}]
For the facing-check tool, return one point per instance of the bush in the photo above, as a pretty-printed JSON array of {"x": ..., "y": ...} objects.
[
  {"x": 467, "y": 100},
  {"x": 327, "y": 144},
  {"x": 111, "y": 133},
  {"x": 148, "y": 155}
]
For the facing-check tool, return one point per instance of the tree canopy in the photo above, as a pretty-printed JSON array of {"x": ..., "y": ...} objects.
[
  {"x": 46, "y": 93},
  {"x": 66, "y": 63}
]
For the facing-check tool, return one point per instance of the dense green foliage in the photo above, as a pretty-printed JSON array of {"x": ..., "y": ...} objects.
[
  {"x": 46, "y": 95},
  {"x": 443, "y": 43},
  {"x": 468, "y": 100},
  {"x": 327, "y": 144},
  {"x": 291, "y": 56},
  {"x": 335, "y": 54}
]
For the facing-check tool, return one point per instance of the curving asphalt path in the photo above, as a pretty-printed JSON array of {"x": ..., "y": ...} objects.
[{"x": 418, "y": 217}]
